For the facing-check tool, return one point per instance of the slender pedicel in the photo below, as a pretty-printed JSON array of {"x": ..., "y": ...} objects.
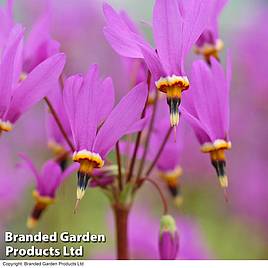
[{"x": 173, "y": 87}]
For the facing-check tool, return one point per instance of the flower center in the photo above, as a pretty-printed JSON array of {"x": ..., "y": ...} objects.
[
  {"x": 88, "y": 161},
  {"x": 208, "y": 50},
  {"x": 181, "y": 83},
  {"x": 173, "y": 87},
  {"x": 173, "y": 180},
  {"x": 171, "y": 177},
  {"x": 41, "y": 203},
  {"x": 56, "y": 148},
  {"x": 87, "y": 158},
  {"x": 5, "y": 126}
]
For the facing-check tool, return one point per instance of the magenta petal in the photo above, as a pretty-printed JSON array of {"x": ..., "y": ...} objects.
[
  {"x": 67, "y": 172},
  {"x": 39, "y": 45},
  {"x": 71, "y": 88},
  {"x": 123, "y": 116},
  {"x": 168, "y": 27},
  {"x": 139, "y": 125},
  {"x": 36, "y": 86},
  {"x": 195, "y": 16},
  {"x": 168, "y": 246},
  {"x": 120, "y": 35},
  {"x": 198, "y": 128},
  {"x": 6, "y": 22},
  {"x": 30, "y": 165},
  {"x": 7, "y": 67},
  {"x": 50, "y": 179},
  {"x": 106, "y": 98},
  {"x": 86, "y": 109},
  {"x": 153, "y": 62}
]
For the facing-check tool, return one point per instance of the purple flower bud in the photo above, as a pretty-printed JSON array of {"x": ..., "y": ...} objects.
[{"x": 169, "y": 238}]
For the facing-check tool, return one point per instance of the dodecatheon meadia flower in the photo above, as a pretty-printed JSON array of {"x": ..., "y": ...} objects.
[
  {"x": 168, "y": 239},
  {"x": 17, "y": 96},
  {"x": 206, "y": 108},
  {"x": 48, "y": 180},
  {"x": 209, "y": 43},
  {"x": 176, "y": 27},
  {"x": 39, "y": 45},
  {"x": 95, "y": 125}
]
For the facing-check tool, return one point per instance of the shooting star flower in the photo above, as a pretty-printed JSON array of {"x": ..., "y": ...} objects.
[
  {"x": 47, "y": 183},
  {"x": 95, "y": 125},
  {"x": 176, "y": 27},
  {"x": 209, "y": 44},
  {"x": 16, "y": 96},
  {"x": 206, "y": 108}
]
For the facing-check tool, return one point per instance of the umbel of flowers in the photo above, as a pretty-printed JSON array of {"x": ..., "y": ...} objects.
[{"x": 86, "y": 125}]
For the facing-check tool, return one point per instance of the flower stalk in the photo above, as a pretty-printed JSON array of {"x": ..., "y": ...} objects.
[
  {"x": 121, "y": 224},
  {"x": 57, "y": 119}
]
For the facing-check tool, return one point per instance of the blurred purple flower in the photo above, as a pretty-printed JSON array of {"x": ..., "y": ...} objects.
[
  {"x": 95, "y": 125},
  {"x": 209, "y": 43},
  {"x": 176, "y": 27},
  {"x": 206, "y": 108},
  {"x": 18, "y": 96},
  {"x": 47, "y": 183}
]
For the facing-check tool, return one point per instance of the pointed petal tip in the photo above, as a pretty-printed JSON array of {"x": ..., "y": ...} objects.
[
  {"x": 223, "y": 181},
  {"x": 76, "y": 205},
  {"x": 178, "y": 201},
  {"x": 31, "y": 223}
]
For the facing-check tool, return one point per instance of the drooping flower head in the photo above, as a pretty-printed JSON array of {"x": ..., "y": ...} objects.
[
  {"x": 206, "y": 108},
  {"x": 176, "y": 27},
  {"x": 17, "y": 96},
  {"x": 48, "y": 180},
  {"x": 95, "y": 125},
  {"x": 209, "y": 43}
]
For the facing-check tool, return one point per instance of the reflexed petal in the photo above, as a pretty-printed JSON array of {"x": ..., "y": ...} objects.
[
  {"x": 153, "y": 62},
  {"x": 50, "y": 178},
  {"x": 198, "y": 128},
  {"x": 86, "y": 109},
  {"x": 120, "y": 35},
  {"x": 195, "y": 16},
  {"x": 39, "y": 45},
  {"x": 106, "y": 98},
  {"x": 30, "y": 165},
  {"x": 37, "y": 85},
  {"x": 71, "y": 88},
  {"x": 168, "y": 28},
  {"x": 123, "y": 116},
  {"x": 8, "y": 67}
]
